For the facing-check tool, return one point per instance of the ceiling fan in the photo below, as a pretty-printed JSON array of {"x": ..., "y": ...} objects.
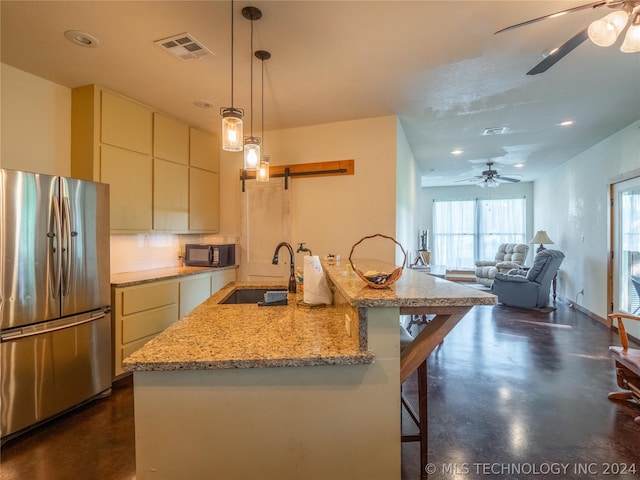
[
  {"x": 603, "y": 32},
  {"x": 490, "y": 178}
]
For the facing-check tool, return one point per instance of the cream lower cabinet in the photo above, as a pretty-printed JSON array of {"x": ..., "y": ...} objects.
[
  {"x": 195, "y": 289},
  {"x": 140, "y": 312}
]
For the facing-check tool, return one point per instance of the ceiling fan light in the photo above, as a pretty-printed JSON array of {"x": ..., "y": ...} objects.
[
  {"x": 631, "y": 42},
  {"x": 604, "y": 32}
]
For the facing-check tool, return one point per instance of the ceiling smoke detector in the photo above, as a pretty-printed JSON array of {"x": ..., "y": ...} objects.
[
  {"x": 495, "y": 130},
  {"x": 184, "y": 46}
]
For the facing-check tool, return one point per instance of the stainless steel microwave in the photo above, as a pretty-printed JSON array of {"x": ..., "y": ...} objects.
[{"x": 210, "y": 255}]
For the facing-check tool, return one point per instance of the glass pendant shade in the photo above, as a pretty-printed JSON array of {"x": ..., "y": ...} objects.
[
  {"x": 232, "y": 129},
  {"x": 604, "y": 32},
  {"x": 631, "y": 42},
  {"x": 263, "y": 171},
  {"x": 252, "y": 153}
]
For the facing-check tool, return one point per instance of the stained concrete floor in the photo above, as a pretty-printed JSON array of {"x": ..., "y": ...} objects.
[{"x": 513, "y": 394}]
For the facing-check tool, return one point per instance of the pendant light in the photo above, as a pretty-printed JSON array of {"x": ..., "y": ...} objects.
[
  {"x": 232, "y": 117},
  {"x": 252, "y": 154},
  {"x": 263, "y": 170}
]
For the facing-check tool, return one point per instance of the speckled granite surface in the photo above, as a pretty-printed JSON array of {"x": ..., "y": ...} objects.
[
  {"x": 413, "y": 289},
  {"x": 128, "y": 279},
  {"x": 215, "y": 336}
]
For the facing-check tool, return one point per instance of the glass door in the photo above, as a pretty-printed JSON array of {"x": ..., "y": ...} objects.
[{"x": 626, "y": 264}]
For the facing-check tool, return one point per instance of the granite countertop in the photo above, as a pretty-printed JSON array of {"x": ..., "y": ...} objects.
[
  {"x": 413, "y": 289},
  {"x": 215, "y": 336},
  {"x": 128, "y": 279}
]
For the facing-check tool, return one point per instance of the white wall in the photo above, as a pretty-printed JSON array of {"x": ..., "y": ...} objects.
[
  {"x": 524, "y": 189},
  {"x": 571, "y": 202},
  {"x": 407, "y": 198},
  {"x": 36, "y": 123},
  {"x": 330, "y": 213}
]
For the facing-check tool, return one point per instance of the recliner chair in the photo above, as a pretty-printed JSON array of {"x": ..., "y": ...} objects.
[
  {"x": 509, "y": 256},
  {"x": 529, "y": 289}
]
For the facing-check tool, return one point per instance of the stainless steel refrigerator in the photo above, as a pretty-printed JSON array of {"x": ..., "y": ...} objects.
[{"x": 55, "y": 321}]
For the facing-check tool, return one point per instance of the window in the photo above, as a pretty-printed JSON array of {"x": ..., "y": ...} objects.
[{"x": 468, "y": 229}]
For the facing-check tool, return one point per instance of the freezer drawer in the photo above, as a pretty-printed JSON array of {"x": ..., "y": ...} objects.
[{"x": 48, "y": 370}]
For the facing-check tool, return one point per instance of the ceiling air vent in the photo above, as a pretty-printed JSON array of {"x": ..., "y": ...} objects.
[
  {"x": 495, "y": 130},
  {"x": 184, "y": 46}
]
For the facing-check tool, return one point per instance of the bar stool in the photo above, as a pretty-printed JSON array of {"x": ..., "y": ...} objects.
[{"x": 419, "y": 418}]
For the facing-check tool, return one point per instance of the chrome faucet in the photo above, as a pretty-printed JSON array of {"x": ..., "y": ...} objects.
[{"x": 292, "y": 276}]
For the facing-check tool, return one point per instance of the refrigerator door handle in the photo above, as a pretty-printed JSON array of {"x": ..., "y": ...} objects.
[
  {"x": 56, "y": 247},
  {"x": 29, "y": 332},
  {"x": 66, "y": 247}
]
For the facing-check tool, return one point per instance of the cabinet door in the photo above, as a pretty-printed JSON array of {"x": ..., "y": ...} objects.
[
  {"x": 220, "y": 278},
  {"x": 129, "y": 176},
  {"x": 194, "y": 291},
  {"x": 204, "y": 197},
  {"x": 126, "y": 124},
  {"x": 170, "y": 139},
  {"x": 204, "y": 151},
  {"x": 170, "y": 196}
]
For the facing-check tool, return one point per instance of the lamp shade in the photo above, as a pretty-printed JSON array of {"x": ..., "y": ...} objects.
[
  {"x": 263, "y": 172},
  {"x": 631, "y": 42},
  {"x": 542, "y": 238},
  {"x": 252, "y": 153},
  {"x": 604, "y": 32},
  {"x": 232, "y": 129}
]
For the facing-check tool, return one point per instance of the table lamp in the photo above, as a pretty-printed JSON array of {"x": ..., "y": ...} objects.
[{"x": 542, "y": 238}]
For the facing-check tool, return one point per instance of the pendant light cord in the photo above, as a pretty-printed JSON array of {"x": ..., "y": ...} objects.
[
  {"x": 232, "y": 54},
  {"x": 251, "y": 76},
  {"x": 262, "y": 101}
]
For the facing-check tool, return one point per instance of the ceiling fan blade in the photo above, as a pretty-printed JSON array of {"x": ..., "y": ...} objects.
[
  {"x": 552, "y": 15},
  {"x": 507, "y": 179},
  {"x": 472, "y": 179},
  {"x": 563, "y": 50}
]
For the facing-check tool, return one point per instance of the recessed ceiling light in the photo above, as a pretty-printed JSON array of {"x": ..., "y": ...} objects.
[
  {"x": 81, "y": 38},
  {"x": 519, "y": 165},
  {"x": 566, "y": 123},
  {"x": 203, "y": 104},
  {"x": 457, "y": 151}
]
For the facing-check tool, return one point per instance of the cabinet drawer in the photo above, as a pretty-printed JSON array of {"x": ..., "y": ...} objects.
[
  {"x": 149, "y": 296},
  {"x": 148, "y": 323}
]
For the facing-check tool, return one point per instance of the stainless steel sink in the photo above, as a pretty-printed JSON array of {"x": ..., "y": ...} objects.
[{"x": 247, "y": 295}]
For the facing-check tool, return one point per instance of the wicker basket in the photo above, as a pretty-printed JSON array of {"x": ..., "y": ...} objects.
[{"x": 382, "y": 281}]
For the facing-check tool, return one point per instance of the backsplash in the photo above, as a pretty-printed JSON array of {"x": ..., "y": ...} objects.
[{"x": 131, "y": 253}]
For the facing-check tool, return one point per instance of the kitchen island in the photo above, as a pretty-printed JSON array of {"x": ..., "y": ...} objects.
[{"x": 236, "y": 392}]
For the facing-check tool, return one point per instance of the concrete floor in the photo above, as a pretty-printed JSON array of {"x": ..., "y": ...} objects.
[{"x": 513, "y": 394}]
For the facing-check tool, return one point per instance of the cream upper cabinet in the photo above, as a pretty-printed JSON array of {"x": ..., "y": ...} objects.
[
  {"x": 204, "y": 195},
  {"x": 163, "y": 173},
  {"x": 204, "y": 151},
  {"x": 126, "y": 124},
  {"x": 170, "y": 196},
  {"x": 170, "y": 139},
  {"x": 129, "y": 177},
  {"x": 204, "y": 187}
]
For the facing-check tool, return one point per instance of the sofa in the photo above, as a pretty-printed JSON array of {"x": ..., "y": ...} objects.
[{"x": 509, "y": 256}]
